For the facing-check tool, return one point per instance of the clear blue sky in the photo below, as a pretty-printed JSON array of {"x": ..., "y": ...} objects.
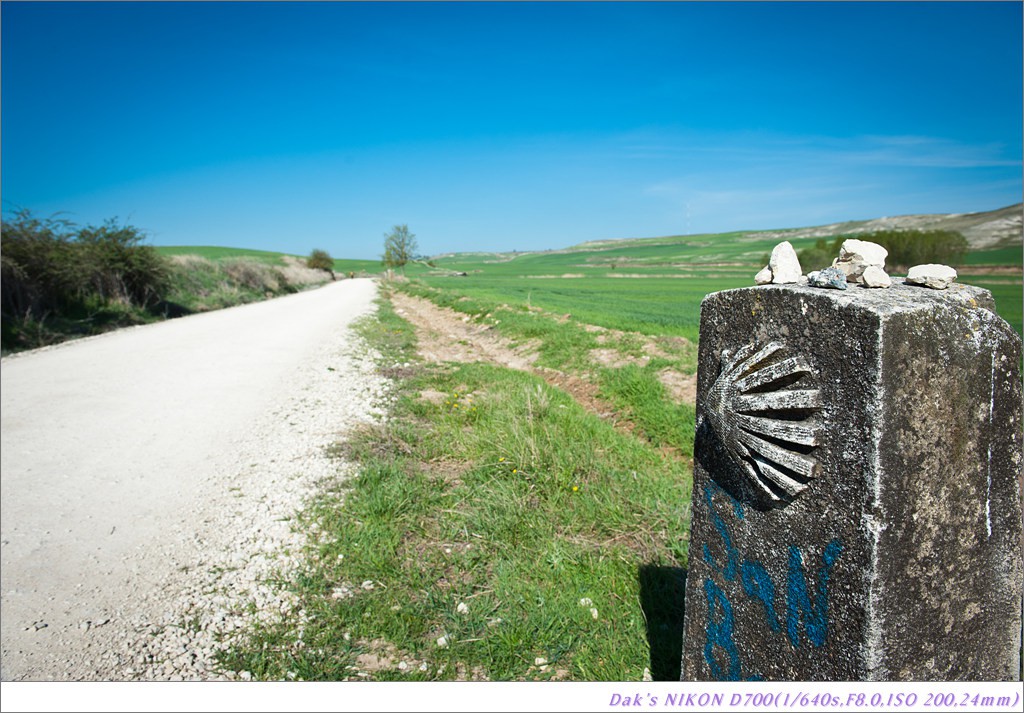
[{"x": 498, "y": 126}]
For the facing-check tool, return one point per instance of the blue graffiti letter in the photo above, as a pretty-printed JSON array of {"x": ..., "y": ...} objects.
[
  {"x": 758, "y": 583},
  {"x": 731, "y": 554},
  {"x": 719, "y": 633},
  {"x": 798, "y": 603}
]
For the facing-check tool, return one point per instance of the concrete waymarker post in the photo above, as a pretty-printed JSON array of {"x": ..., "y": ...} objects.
[{"x": 857, "y": 487}]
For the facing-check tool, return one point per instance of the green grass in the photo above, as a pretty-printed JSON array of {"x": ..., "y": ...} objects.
[
  {"x": 652, "y": 285},
  {"x": 654, "y": 306},
  {"x": 638, "y": 392},
  {"x": 999, "y": 256},
  {"x": 369, "y": 267},
  {"x": 502, "y": 494}
]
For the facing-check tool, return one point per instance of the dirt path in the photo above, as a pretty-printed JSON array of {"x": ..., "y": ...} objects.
[
  {"x": 445, "y": 335},
  {"x": 148, "y": 476}
]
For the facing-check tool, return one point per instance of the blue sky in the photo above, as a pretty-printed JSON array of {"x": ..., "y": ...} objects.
[{"x": 498, "y": 126}]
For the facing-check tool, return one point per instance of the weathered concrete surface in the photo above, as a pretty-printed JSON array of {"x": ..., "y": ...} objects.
[{"x": 901, "y": 558}]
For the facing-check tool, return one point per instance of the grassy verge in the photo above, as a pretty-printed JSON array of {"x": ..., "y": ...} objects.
[
  {"x": 86, "y": 319},
  {"x": 358, "y": 268},
  {"x": 496, "y": 530},
  {"x": 201, "y": 284},
  {"x": 193, "y": 283}
]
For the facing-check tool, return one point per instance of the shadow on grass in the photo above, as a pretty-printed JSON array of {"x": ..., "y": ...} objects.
[
  {"x": 170, "y": 310},
  {"x": 662, "y": 593}
]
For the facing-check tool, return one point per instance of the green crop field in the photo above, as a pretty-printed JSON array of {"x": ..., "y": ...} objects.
[
  {"x": 998, "y": 256},
  {"x": 653, "y": 286}
]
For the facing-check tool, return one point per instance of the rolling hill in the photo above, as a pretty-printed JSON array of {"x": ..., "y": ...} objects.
[
  {"x": 1001, "y": 228},
  {"x": 984, "y": 231}
]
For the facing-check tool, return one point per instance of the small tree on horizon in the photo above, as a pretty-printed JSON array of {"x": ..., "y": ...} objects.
[
  {"x": 321, "y": 260},
  {"x": 399, "y": 247}
]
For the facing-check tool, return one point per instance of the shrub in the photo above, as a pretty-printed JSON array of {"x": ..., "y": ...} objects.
[
  {"x": 321, "y": 260},
  {"x": 820, "y": 256},
  {"x": 119, "y": 268},
  {"x": 39, "y": 270},
  {"x": 914, "y": 247}
]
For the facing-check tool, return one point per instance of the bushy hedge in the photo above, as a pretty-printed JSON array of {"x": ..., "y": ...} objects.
[
  {"x": 906, "y": 248},
  {"x": 55, "y": 270},
  {"x": 60, "y": 281}
]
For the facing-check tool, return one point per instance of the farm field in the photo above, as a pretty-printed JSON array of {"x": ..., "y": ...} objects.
[
  {"x": 648, "y": 285},
  {"x": 655, "y": 286}
]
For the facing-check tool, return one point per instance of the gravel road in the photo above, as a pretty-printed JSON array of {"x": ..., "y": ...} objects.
[{"x": 148, "y": 477}]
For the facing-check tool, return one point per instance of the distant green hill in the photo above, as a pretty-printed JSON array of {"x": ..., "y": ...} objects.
[{"x": 996, "y": 238}]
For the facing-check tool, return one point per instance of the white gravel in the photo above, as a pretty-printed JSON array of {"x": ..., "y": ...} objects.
[{"x": 149, "y": 479}]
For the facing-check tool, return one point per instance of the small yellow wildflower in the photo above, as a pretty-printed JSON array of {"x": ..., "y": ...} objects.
[
  {"x": 501, "y": 459},
  {"x": 514, "y": 471},
  {"x": 575, "y": 488}
]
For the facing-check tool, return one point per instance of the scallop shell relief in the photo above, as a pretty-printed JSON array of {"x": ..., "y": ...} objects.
[{"x": 762, "y": 408}]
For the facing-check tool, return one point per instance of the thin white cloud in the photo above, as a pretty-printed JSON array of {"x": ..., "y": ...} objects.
[{"x": 868, "y": 150}]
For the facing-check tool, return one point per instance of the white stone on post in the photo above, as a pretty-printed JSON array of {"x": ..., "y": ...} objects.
[
  {"x": 784, "y": 264},
  {"x": 938, "y": 277}
]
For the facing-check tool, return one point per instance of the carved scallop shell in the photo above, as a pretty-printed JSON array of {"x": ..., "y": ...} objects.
[{"x": 761, "y": 409}]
